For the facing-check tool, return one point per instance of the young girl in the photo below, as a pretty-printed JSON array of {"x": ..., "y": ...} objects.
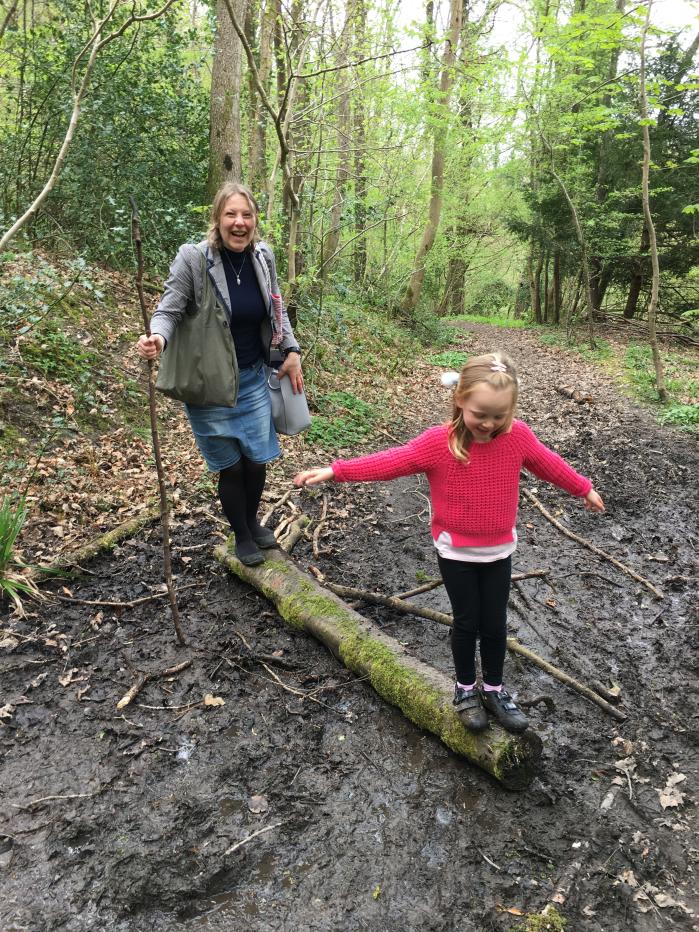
[{"x": 473, "y": 465}]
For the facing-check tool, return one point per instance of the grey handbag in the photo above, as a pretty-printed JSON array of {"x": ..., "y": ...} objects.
[{"x": 290, "y": 412}]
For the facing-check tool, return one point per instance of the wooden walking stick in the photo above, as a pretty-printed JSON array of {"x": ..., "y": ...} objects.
[{"x": 164, "y": 506}]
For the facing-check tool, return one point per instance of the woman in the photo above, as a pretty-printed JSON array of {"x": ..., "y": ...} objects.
[{"x": 218, "y": 319}]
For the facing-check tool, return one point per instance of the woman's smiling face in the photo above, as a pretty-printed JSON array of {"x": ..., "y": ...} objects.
[
  {"x": 486, "y": 410},
  {"x": 237, "y": 223}
]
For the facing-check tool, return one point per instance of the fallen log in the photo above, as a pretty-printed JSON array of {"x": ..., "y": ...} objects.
[{"x": 423, "y": 694}]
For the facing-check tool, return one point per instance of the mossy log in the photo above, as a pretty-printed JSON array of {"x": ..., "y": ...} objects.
[
  {"x": 423, "y": 694},
  {"x": 106, "y": 541}
]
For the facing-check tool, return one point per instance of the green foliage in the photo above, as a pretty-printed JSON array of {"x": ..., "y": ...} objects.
[
  {"x": 681, "y": 381},
  {"x": 685, "y": 416},
  {"x": 548, "y": 921},
  {"x": 600, "y": 352},
  {"x": 143, "y": 132},
  {"x": 13, "y": 585},
  {"x": 449, "y": 360},
  {"x": 513, "y": 323},
  {"x": 352, "y": 424}
]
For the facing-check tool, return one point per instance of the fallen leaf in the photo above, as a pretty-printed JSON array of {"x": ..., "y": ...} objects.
[
  {"x": 671, "y": 798},
  {"x": 512, "y": 910},
  {"x": 675, "y": 778},
  {"x": 8, "y": 643},
  {"x": 6, "y": 711},
  {"x": 67, "y": 678},
  {"x": 663, "y": 900},
  {"x": 258, "y": 804},
  {"x": 628, "y": 877},
  {"x": 213, "y": 700}
]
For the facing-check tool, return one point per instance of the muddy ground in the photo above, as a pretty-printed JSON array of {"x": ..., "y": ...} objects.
[{"x": 329, "y": 811}]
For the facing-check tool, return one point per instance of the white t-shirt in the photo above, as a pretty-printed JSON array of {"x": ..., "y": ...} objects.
[{"x": 446, "y": 550}]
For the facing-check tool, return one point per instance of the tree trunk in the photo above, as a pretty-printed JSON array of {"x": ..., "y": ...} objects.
[
  {"x": 535, "y": 283},
  {"x": 360, "y": 174},
  {"x": 423, "y": 694},
  {"x": 637, "y": 278},
  {"x": 225, "y": 162},
  {"x": 332, "y": 237},
  {"x": 257, "y": 155},
  {"x": 454, "y": 289},
  {"x": 650, "y": 226},
  {"x": 414, "y": 289},
  {"x": 557, "y": 287}
]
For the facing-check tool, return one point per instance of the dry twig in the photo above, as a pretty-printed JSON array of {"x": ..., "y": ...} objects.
[
  {"x": 131, "y": 694},
  {"x": 590, "y": 546},
  {"x": 321, "y": 522},
  {"x": 131, "y": 604}
]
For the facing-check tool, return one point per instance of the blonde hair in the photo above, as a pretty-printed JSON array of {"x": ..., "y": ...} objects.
[
  {"x": 494, "y": 369},
  {"x": 229, "y": 189}
]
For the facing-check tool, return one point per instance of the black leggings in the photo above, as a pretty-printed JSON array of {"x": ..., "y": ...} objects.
[
  {"x": 240, "y": 490},
  {"x": 478, "y": 593}
]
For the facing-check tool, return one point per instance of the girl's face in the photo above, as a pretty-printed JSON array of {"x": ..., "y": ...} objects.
[
  {"x": 237, "y": 223},
  {"x": 486, "y": 410}
]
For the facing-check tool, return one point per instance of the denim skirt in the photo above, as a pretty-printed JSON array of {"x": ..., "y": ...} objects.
[{"x": 223, "y": 434}]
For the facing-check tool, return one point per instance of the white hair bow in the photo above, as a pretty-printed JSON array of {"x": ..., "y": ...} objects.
[
  {"x": 450, "y": 379},
  {"x": 498, "y": 367}
]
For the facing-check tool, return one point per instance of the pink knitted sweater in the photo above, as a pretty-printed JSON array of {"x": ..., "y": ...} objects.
[{"x": 475, "y": 502}]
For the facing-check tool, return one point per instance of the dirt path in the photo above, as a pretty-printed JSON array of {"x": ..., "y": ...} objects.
[{"x": 275, "y": 812}]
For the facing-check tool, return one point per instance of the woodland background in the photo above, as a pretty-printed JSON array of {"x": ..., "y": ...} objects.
[{"x": 417, "y": 162}]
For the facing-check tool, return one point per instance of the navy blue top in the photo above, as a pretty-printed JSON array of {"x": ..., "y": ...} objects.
[{"x": 247, "y": 306}]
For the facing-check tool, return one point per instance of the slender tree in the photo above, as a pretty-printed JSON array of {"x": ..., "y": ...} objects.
[
  {"x": 646, "y": 121},
  {"x": 440, "y": 134}
]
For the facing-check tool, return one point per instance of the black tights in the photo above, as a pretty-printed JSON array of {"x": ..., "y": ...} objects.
[
  {"x": 240, "y": 490},
  {"x": 478, "y": 593}
]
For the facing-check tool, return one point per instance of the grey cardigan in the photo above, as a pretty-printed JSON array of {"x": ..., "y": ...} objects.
[{"x": 183, "y": 290}]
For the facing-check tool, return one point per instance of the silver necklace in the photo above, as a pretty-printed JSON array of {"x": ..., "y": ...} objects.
[{"x": 236, "y": 272}]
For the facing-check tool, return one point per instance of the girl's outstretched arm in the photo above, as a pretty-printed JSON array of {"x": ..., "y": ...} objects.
[
  {"x": 313, "y": 476},
  {"x": 593, "y": 501}
]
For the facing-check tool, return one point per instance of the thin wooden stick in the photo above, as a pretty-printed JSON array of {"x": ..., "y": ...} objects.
[
  {"x": 131, "y": 694},
  {"x": 296, "y": 531},
  {"x": 164, "y": 506},
  {"x": 435, "y": 583},
  {"x": 260, "y": 831},
  {"x": 277, "y": 504},
  {"x": 590, "y": 546},
  {"x": 131, "y": 604},
  {"x": 562, "y": 677},
  {"x": 321, "y": 522},
  {"x": 513, "y": 645}
]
